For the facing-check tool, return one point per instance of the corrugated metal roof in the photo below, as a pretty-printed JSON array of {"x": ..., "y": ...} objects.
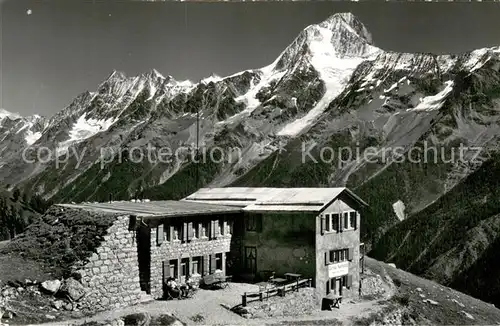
[
  {"x": 269, "y": 199},
  {"x": 157, "y": 208},
  {"x": 282, "y": 208}
]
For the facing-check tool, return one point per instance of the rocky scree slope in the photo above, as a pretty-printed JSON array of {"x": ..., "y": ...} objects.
[{"x": 331, "y": 87}]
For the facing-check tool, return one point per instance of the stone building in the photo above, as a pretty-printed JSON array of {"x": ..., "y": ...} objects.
[
  {"x": 151, "y": 241},
  {"x": 314, "y": 232},
  {"x": 238, "y": 231}
]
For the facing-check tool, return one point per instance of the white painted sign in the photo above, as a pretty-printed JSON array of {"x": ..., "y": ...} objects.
[{"x": 338, "y": 269}]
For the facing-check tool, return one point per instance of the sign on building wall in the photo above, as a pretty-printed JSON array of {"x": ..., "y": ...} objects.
[{"x": 338, "y": 269}]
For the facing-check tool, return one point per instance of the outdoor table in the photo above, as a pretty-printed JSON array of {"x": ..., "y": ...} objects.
[
  {"x": 279, "y": 280},
  {"x": 294, "y": 277}
]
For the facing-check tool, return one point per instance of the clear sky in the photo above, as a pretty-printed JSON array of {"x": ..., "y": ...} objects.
[{"x": 61, "y": 48}]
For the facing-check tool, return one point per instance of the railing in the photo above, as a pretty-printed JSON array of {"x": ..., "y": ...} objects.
[{"x": 279, "y": 290}]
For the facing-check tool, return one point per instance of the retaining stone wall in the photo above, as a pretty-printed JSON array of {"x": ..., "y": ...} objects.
[{"x": 111, "y": 276}]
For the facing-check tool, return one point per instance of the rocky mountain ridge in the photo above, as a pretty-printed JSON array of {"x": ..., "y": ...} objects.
[{"x": 332, "y": 91}]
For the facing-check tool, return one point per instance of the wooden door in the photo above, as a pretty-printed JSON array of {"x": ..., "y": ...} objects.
[{"x": 251, "y": 260}]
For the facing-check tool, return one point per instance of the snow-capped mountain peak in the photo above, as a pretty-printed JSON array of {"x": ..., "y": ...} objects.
[
  {"x": 341, "y": 22},
  {"x": 7, "y": 114},
  {"x": 342, "y": 35}
]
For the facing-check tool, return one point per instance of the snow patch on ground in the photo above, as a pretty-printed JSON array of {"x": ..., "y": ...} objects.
[
  {"x": 32, "y": 137},
  {"x": 393, "y": 86},
  {"x": 434, "y": 102},
  {"x": 399, "y": 209},
  {"x": 83, "y": 129},
  {"x": 467, "y": 314},
  {"x": 249, "y": 98},
  {"x": 396, "y": 84}
]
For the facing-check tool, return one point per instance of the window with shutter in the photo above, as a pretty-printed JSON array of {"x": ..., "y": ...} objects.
[
  {"x": 205, "y": 230},
  {"x": 346, "y": 220},
  {"x": 166, "y": 271},
  {"x": 184, "y": 232},
  {"x": 352, "y": 220},
  {"x": 212, "y": 230},
  {"x": 216, "y": 229},
  {"x": 159, "y": 234},
  {"x": 212, "y": 264},
  {"x": 328, "y": 287},
  {"x": 190, "y": 233},
  {"x": 327, "y": 222},
  {"x": 336, "y": 222},
  {"x": 173, "y": 270},
  {"x": 170, "y": 232},
  {"x": 322, "y": 219},
  {"x": 218, "y": 261}
]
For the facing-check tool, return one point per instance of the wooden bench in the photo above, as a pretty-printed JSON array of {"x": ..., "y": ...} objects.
[{"x": 216, "y": 280}]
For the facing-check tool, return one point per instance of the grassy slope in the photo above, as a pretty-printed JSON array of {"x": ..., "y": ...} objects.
[
  {"x": 54, "y": 243},
  {"x": 28, "y": 214},
  {"x": 448, "y": 311},
  {"x": 417, "y": 242}
]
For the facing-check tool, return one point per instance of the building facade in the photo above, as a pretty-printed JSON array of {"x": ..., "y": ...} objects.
[
  {"x": 314, "y": 232},
  {"x": 243, "y": 232},
  {"x": 178, "y": 247}
]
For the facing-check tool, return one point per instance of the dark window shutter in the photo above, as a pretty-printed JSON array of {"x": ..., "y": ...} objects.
[
  {"x": 171, "y": 232},
  {"x": 211, "y": 231},
  {"x": 323, "y": 221},
  {"x": 259, "y": 223},
  {"x": 212, "y": 264},
  {"x": 327, "y": 258},
  {"x": 216, "y": 228},
  {"x": 206, "y": 265},
  {"x": 224, "y": 227},
  {"x": 341, "y": 222},
  {"x": 184, "y": 232},
  {"x": 356, "y": 220},
  {"x": 349, "y": 280},
  {"x": 166, "y": 270},
  {"x": 190, "y": 231},
  {"x": 159, "y": 234},
  {"x": 350, "y": 253},
  {"x": 328, "y": 287}
]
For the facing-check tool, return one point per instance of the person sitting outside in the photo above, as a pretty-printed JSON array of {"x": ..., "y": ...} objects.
[{"x": 173, "y": 287}]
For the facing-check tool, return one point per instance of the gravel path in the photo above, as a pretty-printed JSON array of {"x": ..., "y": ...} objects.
[{"x": 209, "y": 305}]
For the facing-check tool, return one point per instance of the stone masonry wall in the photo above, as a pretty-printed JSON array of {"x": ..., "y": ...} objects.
[
  {"x": 111, "y": 276},
  {"x": 169, "y": 250}
]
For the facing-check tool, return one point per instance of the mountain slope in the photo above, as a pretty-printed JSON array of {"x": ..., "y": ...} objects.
[
  {"x": 455, "y": 240},
  {"x": 401, "y": 129}
]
